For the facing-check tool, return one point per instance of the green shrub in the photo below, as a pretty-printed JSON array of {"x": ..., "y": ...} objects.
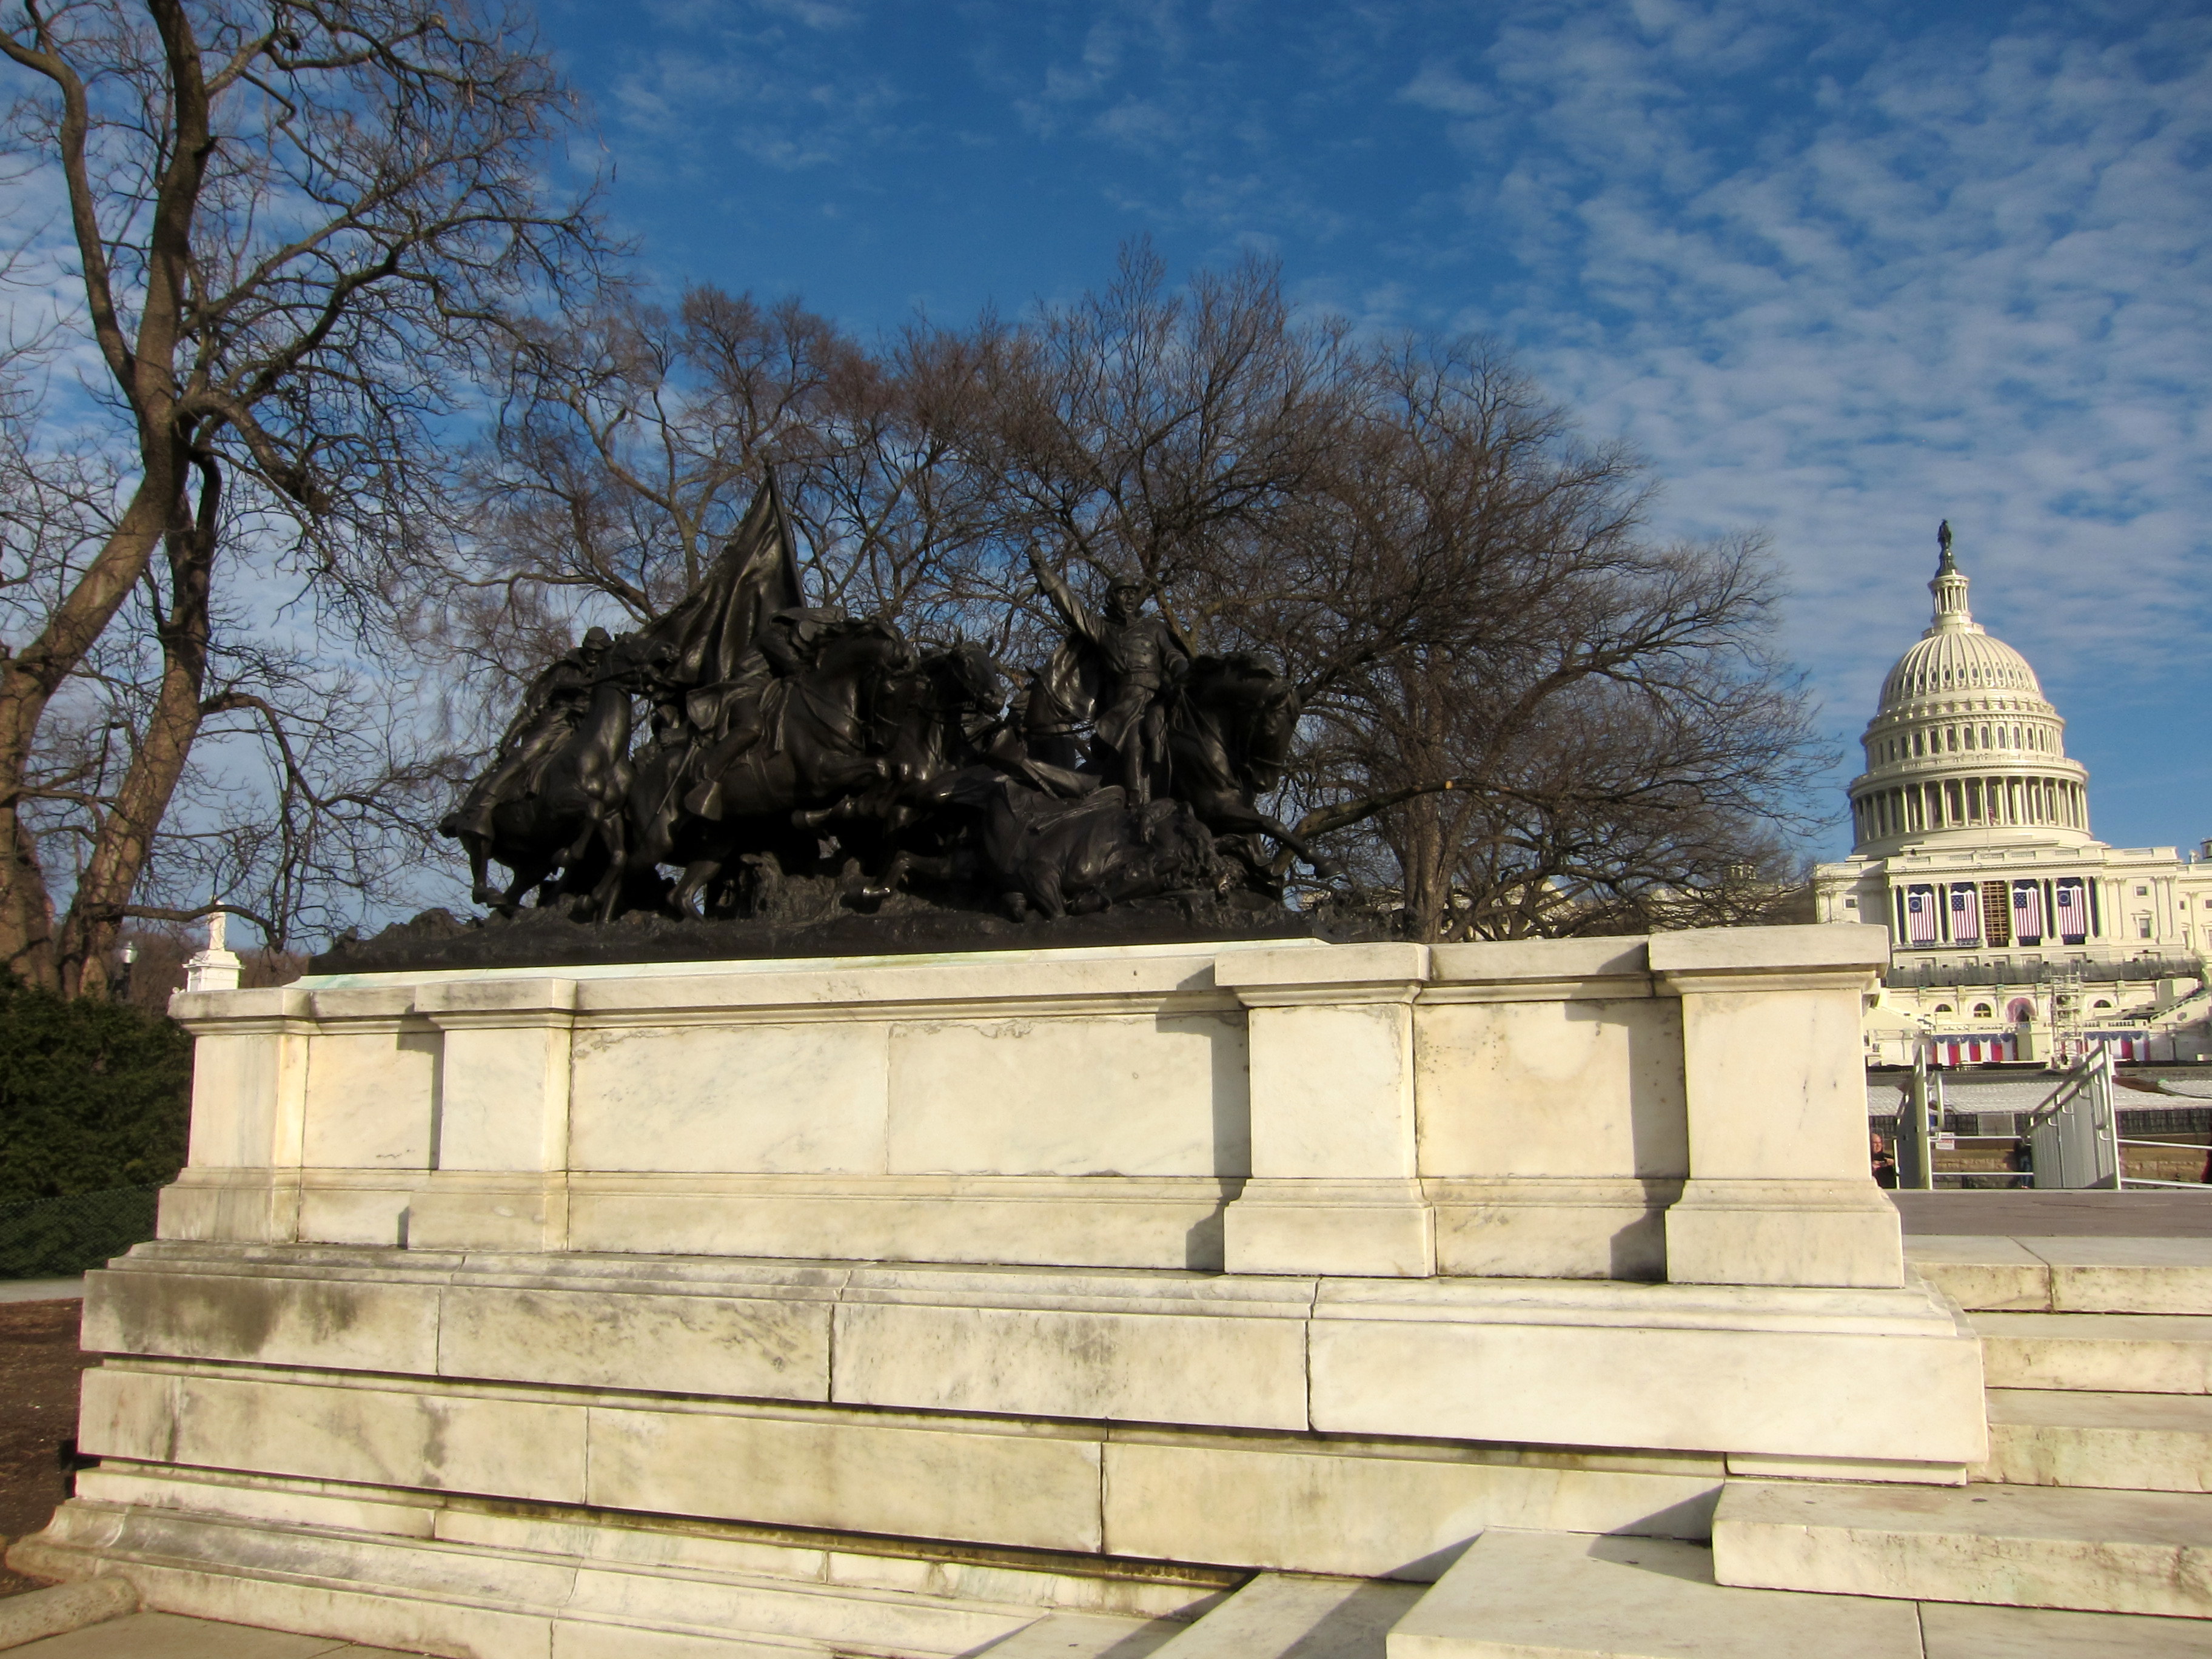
[
  {"x": 61, "y": 1237},
  {"x": 93, "y": 1096}
]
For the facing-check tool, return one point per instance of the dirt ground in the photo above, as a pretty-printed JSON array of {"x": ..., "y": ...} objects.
[{"x": 38, "y": 1368}]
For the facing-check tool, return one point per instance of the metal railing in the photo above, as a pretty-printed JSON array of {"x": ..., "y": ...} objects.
[
  {"x": 2119, "y": 1140},
  {"x": 2074, "y": 1134},
  {"x": 2074, "y": 1137}
]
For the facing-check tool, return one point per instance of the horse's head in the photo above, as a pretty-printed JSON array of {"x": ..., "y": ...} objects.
[
  {"x": 639, "y": 664},
  {"x": 1255, "y": 707},
  {"x": 867, "y": 647},
  {"x": 966, "y": 676}
]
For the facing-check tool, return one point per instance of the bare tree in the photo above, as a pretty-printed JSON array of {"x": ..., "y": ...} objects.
[
  {"x": 295, "y": 225},
  {"x": 1168, "y": 438},
  {"x": 1524, "y": 715},
  {"x": 629, "y": 441},
  {"x": 1535, "y": 717}
]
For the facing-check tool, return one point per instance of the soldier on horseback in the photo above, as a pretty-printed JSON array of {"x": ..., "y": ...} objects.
[
  {"x": 731, "y": 717},
  {"x": 552, "y": 708}
]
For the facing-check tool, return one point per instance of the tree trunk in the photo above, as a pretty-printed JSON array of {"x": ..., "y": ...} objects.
[
  {"x": 27, "y": 684},
  {"x": 1426, "y": 864},
  {"x": 95, "y": 914}
]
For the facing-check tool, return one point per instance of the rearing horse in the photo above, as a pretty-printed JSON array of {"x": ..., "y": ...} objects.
[
  {"x": 571, "y": 822},
  {"x": 1231, "y": 722}
]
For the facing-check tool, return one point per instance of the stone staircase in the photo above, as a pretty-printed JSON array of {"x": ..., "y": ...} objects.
[
  {"x": 2087, "y": 1535},
  {"x": 2094, "y": 1495}
]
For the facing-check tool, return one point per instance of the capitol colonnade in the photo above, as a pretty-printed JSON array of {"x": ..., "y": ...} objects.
[{"x": 1960, "y": 803}]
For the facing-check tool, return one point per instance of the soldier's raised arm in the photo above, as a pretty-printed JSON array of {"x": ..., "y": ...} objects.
[{"x": 1062, "y": 597}]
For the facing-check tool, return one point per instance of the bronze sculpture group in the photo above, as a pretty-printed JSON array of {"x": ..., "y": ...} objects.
[{"x": 784, "y": 739}]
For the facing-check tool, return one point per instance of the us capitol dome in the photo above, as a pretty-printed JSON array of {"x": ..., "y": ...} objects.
[
  {"x": 1965, "y": 750},
  {"x": 2015, "y": 934}
]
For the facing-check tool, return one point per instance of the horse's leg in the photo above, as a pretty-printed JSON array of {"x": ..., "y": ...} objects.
[
  {"x": 894, "y": 872},
  {"x": 842, "y": 810},
  {"x": 682, "y": 897},
  {"x": 610, "y": 887},
  {"x": 531, "y": 872},
  {"x": 1040, "y": 880},
  {"x": 1228, "y": 814},
  {"x": 479, "y": 848}
]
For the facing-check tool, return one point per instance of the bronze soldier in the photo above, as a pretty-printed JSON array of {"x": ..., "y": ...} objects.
[
  {"x": 731, "y": 717},
  {"x": 1139, "y": 653},
  {"x": 551, "y": 707}
]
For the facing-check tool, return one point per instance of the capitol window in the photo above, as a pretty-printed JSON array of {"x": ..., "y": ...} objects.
[{"x": 2143, "y": 927}]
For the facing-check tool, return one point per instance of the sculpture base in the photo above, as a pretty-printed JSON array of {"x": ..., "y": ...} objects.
[
  {"x": 457, "y": 1452},
  {"x": 887, "y": 1306},
  {"x": 826, "y": 927}
]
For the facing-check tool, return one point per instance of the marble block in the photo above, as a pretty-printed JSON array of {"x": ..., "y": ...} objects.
[
  {"x": 1684, "y": 1106},
  {"x": 1518, "y": 1595}
]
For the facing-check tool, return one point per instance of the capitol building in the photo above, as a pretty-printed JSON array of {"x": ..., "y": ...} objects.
[{"x": 2016, "y": 936}]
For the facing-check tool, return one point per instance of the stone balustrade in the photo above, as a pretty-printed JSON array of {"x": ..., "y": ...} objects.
[
  {"x": 1684, "y": 1107},
  {"x": 498, "y": 1304}
]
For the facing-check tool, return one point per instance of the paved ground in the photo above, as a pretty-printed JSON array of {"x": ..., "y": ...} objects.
[
  {"x": 165, "y": 1635},
  {"x": 2058, "y": 1215},
  {"x": 40, "y": 1289}
]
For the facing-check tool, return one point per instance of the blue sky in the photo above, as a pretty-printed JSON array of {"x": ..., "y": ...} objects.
[{"x": 1839, "y": 271}]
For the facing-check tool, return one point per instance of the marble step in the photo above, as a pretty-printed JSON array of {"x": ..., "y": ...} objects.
[
  {"x": 1283, "y": 1615},
  {"x": 1087, "y": 1635},
  {"x": 1553, "y": 1595},
  {"x": 2129, "y": 1441},
  {"x": 1955, "y": 1630},
  {"x": 2080, "y": 1549},
  {"x": 416, "y": 1594},
  {"x": 2099, "y": 1353},
  {"x": 1562, "y": 1595},
  {"x": 2070, "y": 1275}
]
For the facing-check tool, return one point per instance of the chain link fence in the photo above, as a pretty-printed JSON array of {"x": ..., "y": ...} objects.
[{"x": 60, "y": 1238}]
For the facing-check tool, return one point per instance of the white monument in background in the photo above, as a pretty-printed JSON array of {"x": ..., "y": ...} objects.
[
  {"x": 2015, "y": 933},
  {"x": 217, "y": 967}
]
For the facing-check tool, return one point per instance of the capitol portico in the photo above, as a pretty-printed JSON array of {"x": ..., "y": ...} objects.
[{"x": 2015, "y": 934}]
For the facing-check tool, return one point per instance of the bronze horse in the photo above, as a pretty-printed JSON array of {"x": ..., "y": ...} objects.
[
  {"x": 817, "y": 743},
  {"x": 566, "y": 834},
  {"x": 931, "y": 757},
  {"x": 1231, "y": 722}
]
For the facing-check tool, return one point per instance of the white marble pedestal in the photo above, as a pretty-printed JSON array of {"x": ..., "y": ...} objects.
[{"x": 616, "y": 1312}]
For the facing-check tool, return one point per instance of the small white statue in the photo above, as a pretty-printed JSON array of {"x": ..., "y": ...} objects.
[{"x": 217, "y": 967}]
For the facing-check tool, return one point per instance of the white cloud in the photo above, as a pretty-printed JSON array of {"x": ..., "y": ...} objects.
[{"x": 1958, "y": 279}]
